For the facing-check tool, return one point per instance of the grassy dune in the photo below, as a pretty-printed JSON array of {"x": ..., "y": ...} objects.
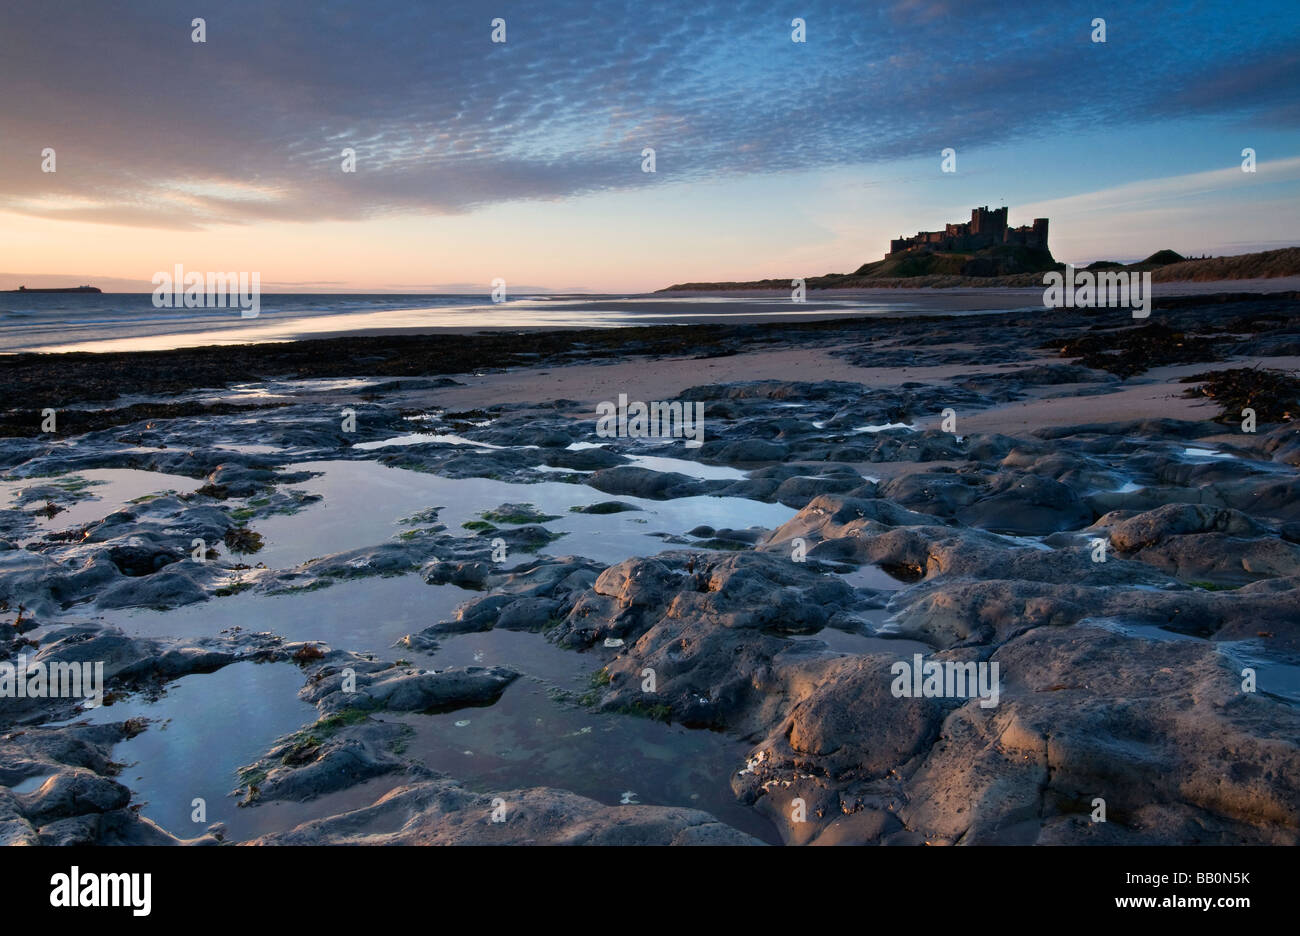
[{"x": 1265, "y": 265}]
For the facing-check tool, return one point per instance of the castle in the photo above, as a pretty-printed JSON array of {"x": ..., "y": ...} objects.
[{"x": 985, "y": 229}]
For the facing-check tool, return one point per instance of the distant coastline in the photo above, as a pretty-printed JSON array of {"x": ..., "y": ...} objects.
[{"x": 60, "y": 289}]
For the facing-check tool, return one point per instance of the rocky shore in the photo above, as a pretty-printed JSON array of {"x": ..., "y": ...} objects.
[{"x": 399, "y": 590}]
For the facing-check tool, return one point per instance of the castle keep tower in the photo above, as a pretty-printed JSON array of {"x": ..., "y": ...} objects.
[{"x": 992, "y": 223}]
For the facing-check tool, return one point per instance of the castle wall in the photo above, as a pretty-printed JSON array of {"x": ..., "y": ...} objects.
[{"x": 986, "y": 228}]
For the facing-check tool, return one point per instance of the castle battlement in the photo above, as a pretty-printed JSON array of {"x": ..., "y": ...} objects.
[{"x": 986, "y": 228}]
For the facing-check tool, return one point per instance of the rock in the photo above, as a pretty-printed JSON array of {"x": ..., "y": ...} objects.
[
  {"x": 1026, "y": 504},
  {"x": 172, "y": 586},
  {"x": 479, "y": 614},
  {"x": 528, "y": 614},
  {"x": 1168, "y": 763},
  {"x": 1196, "y": 541},
  {"x": 343, "y": 764},
  {"x": 408, "y": 690},
  {"x": 591, "y": 459},
  {"x": 137, "y": 558},
  {"x": 934, "y": 493},
  {"x": 440, "y": 812},
  {"x": 1153, "y": 526},
  {"x": 798, "y": 491},
  {"x": 745, "y": 452},
  {"x": 605, "y": 507},
  {"x": 471, "y": 574},
  {"x": 630, "y": 481},
  {"x": 72, "y": 792},
  {"x": 15, "y": 829}
]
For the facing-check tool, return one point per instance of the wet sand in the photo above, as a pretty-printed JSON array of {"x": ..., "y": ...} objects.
[{"x": 579, "y": 312}]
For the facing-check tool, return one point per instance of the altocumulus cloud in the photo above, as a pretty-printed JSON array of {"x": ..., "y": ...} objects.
[{"x": 152, "y": 129}]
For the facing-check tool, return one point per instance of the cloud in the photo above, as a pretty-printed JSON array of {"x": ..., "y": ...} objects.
[
  {"x": 1148, "y": 193},
  {"x": 152, "y": 129},
  {"x": 1250, "y": 211}
]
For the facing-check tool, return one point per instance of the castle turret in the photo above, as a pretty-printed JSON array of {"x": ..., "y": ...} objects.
[
  {"x": 984, "y": 221},
  {"x": 1040, "y": 232}
]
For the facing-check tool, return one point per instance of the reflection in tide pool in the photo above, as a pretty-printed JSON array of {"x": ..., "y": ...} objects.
[
  {"x": 105, "y": 491},
  {"x": 528, "y": 738},
  {"x": 364, "y": 615},
  {"x": 364, "y": 503},
  {"x": 691, "y": 469},
  {"x": 201, "y": 732}
]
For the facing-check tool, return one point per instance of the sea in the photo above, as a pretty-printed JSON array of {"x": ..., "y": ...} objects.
[{"x": 62, "y": 322}]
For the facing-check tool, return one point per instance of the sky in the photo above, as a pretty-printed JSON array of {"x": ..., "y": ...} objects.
[{"x": 523, "y": 159}]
